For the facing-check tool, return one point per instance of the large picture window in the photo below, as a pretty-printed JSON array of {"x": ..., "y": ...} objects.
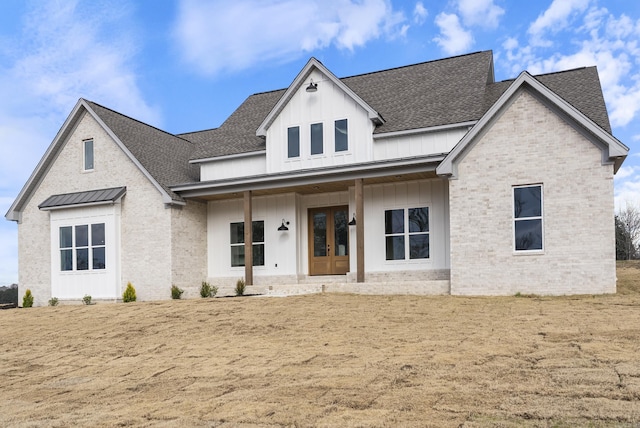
[
  {"x": 407, "y": 233},
  {"x": 237, "y": 243},
  {"x": 527, "y": 217},
  {"x": 82, "y": 247}
]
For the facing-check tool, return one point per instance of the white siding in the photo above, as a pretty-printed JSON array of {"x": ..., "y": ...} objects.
[
  {"x": 233, "y": 168},
  {"x": 436, "y": 142},
  {"x": 99, "y": 284},
  {"x": 325, "y": 106}
]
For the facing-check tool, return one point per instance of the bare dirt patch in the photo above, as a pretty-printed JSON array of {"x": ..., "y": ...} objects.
[{"x": 327, "y": 360}]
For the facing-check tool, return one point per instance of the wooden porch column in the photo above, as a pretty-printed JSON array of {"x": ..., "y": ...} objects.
[
  {"x": 359, "y": 231},
  {"x": 248, "y": 240}
]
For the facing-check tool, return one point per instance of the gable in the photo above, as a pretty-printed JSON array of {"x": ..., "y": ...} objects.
[{"x": 613, "y": 151}]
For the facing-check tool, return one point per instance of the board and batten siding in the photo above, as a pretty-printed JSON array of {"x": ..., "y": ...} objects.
[{"x": 233, "y": 167}]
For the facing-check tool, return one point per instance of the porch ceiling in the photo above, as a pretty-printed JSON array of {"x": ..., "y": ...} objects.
[{"x": 323, "y": 187}]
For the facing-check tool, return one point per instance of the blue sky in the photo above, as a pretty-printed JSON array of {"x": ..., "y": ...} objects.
[{"x": 185, "y": 65}]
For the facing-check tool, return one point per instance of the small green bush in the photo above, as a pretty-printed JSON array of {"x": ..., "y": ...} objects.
[
  {"x": 129, "y": 294},
  {"x": 53, "y": 301},
  {"x": 27, "y": 300},
  {"x": 208, "y": 290},
  {"x": 86, "y": 299},
  {"x": 240, "y": 287},
  {"x": 176, "y": 292}
]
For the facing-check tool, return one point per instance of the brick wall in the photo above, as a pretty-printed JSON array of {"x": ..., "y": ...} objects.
[{"x": 530, "y": 144}]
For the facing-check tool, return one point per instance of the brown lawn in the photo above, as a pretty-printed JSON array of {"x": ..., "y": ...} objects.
[{"x": 327, "y": 360}]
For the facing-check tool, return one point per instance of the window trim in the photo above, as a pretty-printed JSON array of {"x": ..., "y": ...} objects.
[
  {"x": 84, "y": 155},
  {"x": 516, "y": 219},
  {"x": 406, "y": 234}
]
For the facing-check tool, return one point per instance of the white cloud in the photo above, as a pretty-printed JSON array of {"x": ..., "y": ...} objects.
[
  {"x": 626, "y": 171},
  {"x": 481, "y": 13},
  {"x": 66, "y": 50},
  {"x": 420, "y": 13},
  {"x": 453, "y": 39},
  {"x": 555, "y": 18},
  {"x": 231, "y": 35}
]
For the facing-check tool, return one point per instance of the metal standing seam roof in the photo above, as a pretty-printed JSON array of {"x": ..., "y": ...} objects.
[{"x": 92, "y": 197}]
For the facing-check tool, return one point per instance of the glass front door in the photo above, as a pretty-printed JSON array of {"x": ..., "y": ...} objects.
[{"x": 329, "y": 241}]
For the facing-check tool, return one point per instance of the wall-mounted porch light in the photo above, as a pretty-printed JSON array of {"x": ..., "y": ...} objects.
[
  {"x": 283, "y": 227},
  {"x": 353, "y": 220},
  {"x": 313, "y": 87}
]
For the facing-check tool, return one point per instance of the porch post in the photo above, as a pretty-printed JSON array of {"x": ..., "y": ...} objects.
[
  {"x": 359, "y": 230},
  {"x": 248, "y": 240}
]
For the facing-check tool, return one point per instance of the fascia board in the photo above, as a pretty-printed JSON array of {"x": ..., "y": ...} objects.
[
  {"x": 228, "y": 157},
  {"x": 166, "y": 198},
  {"x": 13, "y": 214},
  {"x": 615, "y": 148},
  {"x": 298, "y": 81}
]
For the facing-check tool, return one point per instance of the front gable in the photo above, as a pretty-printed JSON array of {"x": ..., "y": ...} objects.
[{"x": 612, "y": 150}]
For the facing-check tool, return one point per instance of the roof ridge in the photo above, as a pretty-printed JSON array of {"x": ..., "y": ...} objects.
[
  {"x": 136, "y": 120},
  {"x": 417, "y": 63},
  {"x": 549, "y": 74}
]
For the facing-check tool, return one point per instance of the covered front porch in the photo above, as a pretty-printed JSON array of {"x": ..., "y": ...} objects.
[{"x": 290, "y": 234}]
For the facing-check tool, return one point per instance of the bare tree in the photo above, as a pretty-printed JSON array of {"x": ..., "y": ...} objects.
[{"x": 628, "y": 219}]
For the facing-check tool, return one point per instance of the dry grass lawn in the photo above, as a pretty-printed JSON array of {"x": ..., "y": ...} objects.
[{"x": 327, "y": 360}]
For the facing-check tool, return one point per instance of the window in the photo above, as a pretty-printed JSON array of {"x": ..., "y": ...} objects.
[
  {"x": 413, "y": 240},
  {"x": 342, "y": 140},
  {"x": 237, "y": 243},
  {"x": 527, "y": 217},
  {"x": 293, "y": 142},
  {"x": 82, "y": 247},
  {"x": 88, "y": 155},
  {"x": 316, "y": 139}
]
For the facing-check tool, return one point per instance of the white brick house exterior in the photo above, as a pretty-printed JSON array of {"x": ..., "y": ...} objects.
[{"x": 426, "y": 179}]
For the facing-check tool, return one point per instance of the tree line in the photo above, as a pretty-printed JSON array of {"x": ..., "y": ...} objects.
[{"x": 628, "y": 233}]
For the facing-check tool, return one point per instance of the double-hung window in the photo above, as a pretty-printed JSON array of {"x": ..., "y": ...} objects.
[
  {"x": 237, "y": 243},
  {"x": 87, "y": 146},
  {"x": 407, "y": 233},
  {"x": 82, "y": 247},
  {"x": 527, "y": 218}
]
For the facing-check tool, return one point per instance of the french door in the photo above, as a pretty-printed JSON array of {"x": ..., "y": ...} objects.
[{"x": 329, "y": 240}]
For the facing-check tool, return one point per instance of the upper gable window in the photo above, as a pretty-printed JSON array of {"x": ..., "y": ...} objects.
[
  {"x": 527, "y": 217},
  {"x": 341, "y": 135},
  {"x": 316, "y": 139},
  {"x": 293, "y": 142},
  {"x": 88, "y": 155}
]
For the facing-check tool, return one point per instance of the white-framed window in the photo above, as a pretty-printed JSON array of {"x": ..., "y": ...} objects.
[
  {"x": 527, "y": 218},
  {"x": 237, "y": 243},
  {"x": 293, "y": 142},
  {"x": 87, "y": 149},
  {"x": 406, "y": 233},
  {"x": 317, "y": 139},
  {"x": 341, "y": 135},
  {"x": 82, "y": 247}
]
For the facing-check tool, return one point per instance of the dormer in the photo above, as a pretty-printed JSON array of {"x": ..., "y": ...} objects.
[{"x": 318, "y": 122}]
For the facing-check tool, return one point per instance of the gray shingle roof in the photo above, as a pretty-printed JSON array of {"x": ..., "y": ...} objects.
[
  {"x": 579, "y": 87},
  {"x": 81, "y": 198},
  {"x": 165, "y": 156}
]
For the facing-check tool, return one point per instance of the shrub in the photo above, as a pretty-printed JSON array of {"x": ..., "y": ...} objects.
[
  {"x": 86, "y": 299},
  {"x": 53, "y": 301},
  {"x": 27, "y": 300},
  {"x": 240, "y": 286},
  {"x": 176, "y": 292},
  {"x": 207, "y": 290},
  {"x": 129, "y": 294}
]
